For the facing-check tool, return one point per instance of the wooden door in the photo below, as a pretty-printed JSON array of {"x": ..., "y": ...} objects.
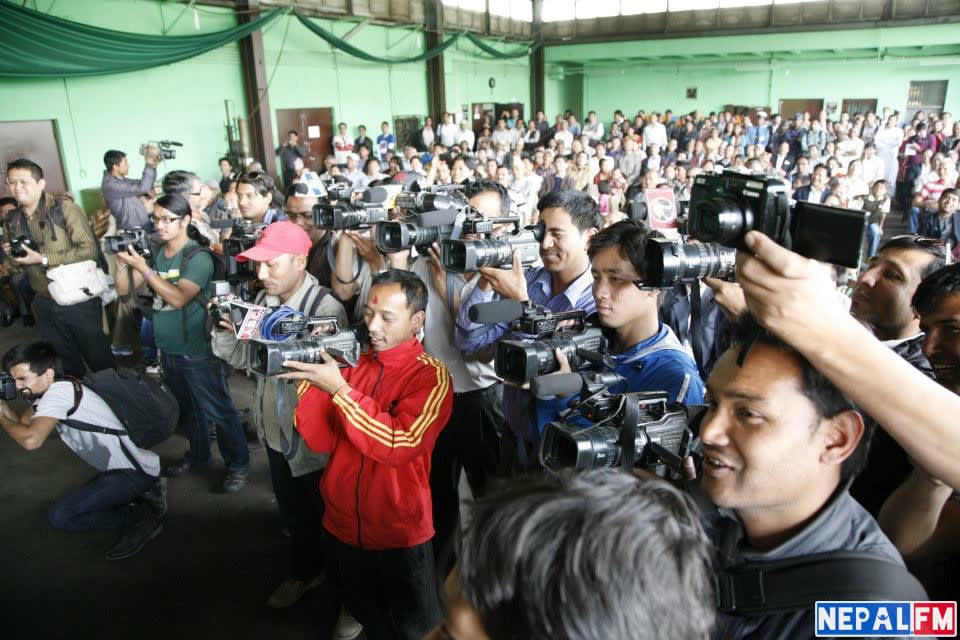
[
  {"x": 315, "y": 126},
  {"x": 480, "y": 113},
  {"x": 35, "y": 140},
  {"x": 858, "y": 106},
  {"x": 789, "y": 108}
]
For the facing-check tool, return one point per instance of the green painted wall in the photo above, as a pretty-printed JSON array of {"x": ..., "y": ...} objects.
[
  {"x": 466, "y": 77},
  {"x": 761, "y": 70},
  {"x": 182, "y": 102}
]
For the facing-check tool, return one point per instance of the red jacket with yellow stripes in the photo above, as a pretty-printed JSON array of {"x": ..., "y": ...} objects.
[{"x": 380, "y": 437}]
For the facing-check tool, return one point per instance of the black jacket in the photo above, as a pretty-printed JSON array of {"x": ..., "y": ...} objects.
[{"x": 675, "y": 312}]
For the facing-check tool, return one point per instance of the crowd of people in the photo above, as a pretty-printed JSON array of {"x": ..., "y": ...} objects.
[{"x": 813, "y": 442}]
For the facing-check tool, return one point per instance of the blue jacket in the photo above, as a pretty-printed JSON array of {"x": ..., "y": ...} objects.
[{"x": 659, "y": 363}]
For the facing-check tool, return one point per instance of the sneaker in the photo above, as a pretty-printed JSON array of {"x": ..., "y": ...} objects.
[
  {"x": 291, "y": 590},
  {"x": 234, "y": 481},
  {"x": 180, "y": 468},
  {"x": 136, "y": 536},
  {"x": 347, "y": 627},
  {"x": 156, "y": 497}
]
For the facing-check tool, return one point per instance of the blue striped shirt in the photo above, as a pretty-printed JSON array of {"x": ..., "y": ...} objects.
[{"x": 470, "y": 336}]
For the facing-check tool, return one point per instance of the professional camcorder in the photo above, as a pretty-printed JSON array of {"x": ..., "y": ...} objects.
[
  {"x": 461, "y": 256},
  {"x": 348, "y": 213},
  {"x": 19, "y": 245},
  {"x": 164, "y": 149},
  {"x": 8, "y": 387},
  {"x": 136, "y": 239},
  {"x": 724, "y": 207},
  {"x": 251, "y": 321},
  {"x": 243, "y": 235},
  {"x": 632, "y": 430},
  {"x": 423, "y": 229},
  {"x": 266, "y": 358},
  {"x": 671, "y": 262},
  {"x": 436, "y": 197},
  {"x": 524, "y": 359}
]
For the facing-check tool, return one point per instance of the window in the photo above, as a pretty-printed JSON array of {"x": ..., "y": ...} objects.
[
  {"x": 631, "y": 7},
  {"x": 521, "y": 10},
  {"x": 597, "y": 8},
  {"x": 557, "y": 10},
  {"x": 467, "y": 5},
  {"x": 693, "y": 5},
  {"x": 927, "y": 95},
  {"x": 726, "y": 4}
]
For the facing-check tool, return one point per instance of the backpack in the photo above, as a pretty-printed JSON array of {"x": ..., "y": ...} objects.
[{"x": 145, "y": 406}]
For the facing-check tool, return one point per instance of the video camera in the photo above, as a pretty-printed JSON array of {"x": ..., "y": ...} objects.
[
  {"x": 136, "y": 238},
  {"x": 8, "y": 386},
  {"x": 433, "y": 198},
  {"x": 243, "y": 235},
  {"x": 165, "y": 149},
  {"x": 423, "y": 229},
  {"x": 251, "y": 321},
  {"x": 351, "y": 214},
  {"x": 724, "y": 207},
  {"x": 632, "y": 430},
  {"x": 20, "y": 244},
  {"x": 462, "y": 256},
  {"x": 524, "y": 359},
  {"x": 671, "y": 262},
  {"x": 266, "y": 358}
]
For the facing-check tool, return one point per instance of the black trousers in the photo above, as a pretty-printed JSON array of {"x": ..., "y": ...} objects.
[
  {"x": 392, "y": 593},
  {"x": 472, "y": 441},
  {"x": 76, "y": 332},
  {"x": 302, "y": 509}
]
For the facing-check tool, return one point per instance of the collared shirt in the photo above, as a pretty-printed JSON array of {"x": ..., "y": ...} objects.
[
  {"x": 120, "y": 196},
  {"x": 76, "y": 243},
  {"x": 471, "y": 336}
]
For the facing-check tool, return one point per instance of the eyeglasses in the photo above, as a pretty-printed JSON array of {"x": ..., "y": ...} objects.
[{"x": 163, "y": 220}]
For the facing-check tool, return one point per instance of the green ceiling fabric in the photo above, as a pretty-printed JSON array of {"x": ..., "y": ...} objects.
[{"x": 37, "y": 45}]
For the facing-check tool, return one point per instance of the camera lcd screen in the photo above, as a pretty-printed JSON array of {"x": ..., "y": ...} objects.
[{"x": 828, "y": 234}]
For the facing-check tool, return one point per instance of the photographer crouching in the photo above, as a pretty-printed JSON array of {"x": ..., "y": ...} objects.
[
  {"x": 281, "y": 256},
  {"x": 127, "y": 493},
  {"x": 379, "y": 421},
  {"x": 180, "y": 280}
]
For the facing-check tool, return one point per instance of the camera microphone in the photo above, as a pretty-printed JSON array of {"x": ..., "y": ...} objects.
[
  {"x": 556, "y": 384},
  {"x": 495, "y": 312}
]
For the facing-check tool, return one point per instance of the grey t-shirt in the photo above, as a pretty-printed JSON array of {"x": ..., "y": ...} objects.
[
  {"x": 842, "y": 525},
  {"x": 101, "y": 451}
]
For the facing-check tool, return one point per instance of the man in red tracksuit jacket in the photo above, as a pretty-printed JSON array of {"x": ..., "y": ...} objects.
[{"x": 379, "y": 421}]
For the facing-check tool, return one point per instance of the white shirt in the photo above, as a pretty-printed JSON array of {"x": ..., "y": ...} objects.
[
  {"x": 655, "y": 133},
  {"x": 448, "y": 134},
  {"x": 873, "y": 169},
  {"x": 465, "y": 135},
  {"x": 565, "y": 137},
  {"x": 101, "y": 451}
]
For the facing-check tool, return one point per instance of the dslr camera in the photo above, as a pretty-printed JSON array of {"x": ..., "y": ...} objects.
[
  {"x": 640, "y": 430},
  {"x": 266, "y": 358},
  {"x": 19, "y": 245},
  {"x": 351, "y": 214},
  {"x": 668, "y": 262},
  {"x": 724, "y": 207},
  {"x": 8, "y": 386},
  {"x": 135, "y": 238},
  {"x": 461, "y": 256},
  {"x": 165, "y": 149},
  {"x": 524, "y": 359}
]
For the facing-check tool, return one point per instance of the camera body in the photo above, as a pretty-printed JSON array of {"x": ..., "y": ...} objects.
[
  {"x": 266, "y": 358},
  {"x": 8, "y": 386},
  {"x": 725, "y": 206},
  {"x": 165, "y": 149},
  {"x": 135, "y": 238},
  {"x": 354, "y": 216},
  {"x": 422, "y": 229},
  {"x": 19, "y": 244},
  {"x": 634, "y": 430},
  {"x": 669, "y": 262},
  {"x": 462, "y": 256},
  {"x": 523, "y": 360}
]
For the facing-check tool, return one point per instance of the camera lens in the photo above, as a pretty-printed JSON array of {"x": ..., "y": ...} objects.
[
  {"x": 670, "y": 263},
  {"x": 718, "y": 220}
]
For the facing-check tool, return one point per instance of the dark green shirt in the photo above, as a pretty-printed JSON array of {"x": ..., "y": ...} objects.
[{"x": 168, "y": 325}]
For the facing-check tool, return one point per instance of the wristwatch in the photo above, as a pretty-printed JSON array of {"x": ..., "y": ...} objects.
[{"x": 43, "y": 261}]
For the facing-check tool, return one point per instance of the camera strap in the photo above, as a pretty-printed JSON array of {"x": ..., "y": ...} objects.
[{"x": 696, "y": 326}]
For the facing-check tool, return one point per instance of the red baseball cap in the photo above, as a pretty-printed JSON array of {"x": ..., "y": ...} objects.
[{"x": 278, "y": 238}]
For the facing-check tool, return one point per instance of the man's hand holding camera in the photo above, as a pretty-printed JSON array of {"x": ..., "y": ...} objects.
[
  {"x": 326, "y": 375},
  {"x": 152, "y": 155},
  {"x": 32, "y": 256},
  {"x": 133, "y": 260},
  {"x": 509, "y": 283}
]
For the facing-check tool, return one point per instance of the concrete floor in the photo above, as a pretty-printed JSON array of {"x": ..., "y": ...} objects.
[{"x": 208, "y": 575}]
